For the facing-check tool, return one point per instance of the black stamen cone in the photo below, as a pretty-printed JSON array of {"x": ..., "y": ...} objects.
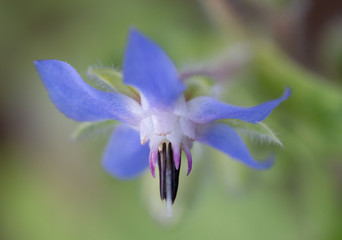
[{"x": 168, "y": 174}]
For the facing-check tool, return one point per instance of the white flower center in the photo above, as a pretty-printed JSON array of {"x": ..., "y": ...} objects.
[{"x": 171, "y": 125}]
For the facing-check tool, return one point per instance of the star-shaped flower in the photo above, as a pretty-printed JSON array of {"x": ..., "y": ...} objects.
[{"x": 158, "y": 123}]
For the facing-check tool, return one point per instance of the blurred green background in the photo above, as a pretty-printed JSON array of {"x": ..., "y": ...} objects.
[{"x": 52, "y": 188}]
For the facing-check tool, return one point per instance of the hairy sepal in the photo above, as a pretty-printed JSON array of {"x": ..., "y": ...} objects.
[
  {"x": 198, "y": 86},
  {"x": 257, "y": 133},
  {"x": 92, "y": 129},
  {"x": 109, "y": 79}
]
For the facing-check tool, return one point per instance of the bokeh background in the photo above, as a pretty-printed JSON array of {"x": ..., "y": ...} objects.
[{"x": 53, "y": 188}]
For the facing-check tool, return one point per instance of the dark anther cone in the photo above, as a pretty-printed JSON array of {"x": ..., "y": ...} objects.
[{"x": 168, "y": 174}]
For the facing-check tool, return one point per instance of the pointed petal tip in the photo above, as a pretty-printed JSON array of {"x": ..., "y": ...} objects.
[
  {"x": 189, "y": 158},
  {"x": 137, "y": 37},
  {"x": 264, "y": 165},
  {"x": 152, "y": 159},
  {"x": 153, "y": 173},
  {"x": 287, "y": 93},
  {"x": 46, "y": 67},
  {"x": 134, "y": 32},
  {"x": 152, "y": 169},
  {"x": 176, "y": 157},
  {"x": 189, "y": 169},
  {"x": 39, "y": 63}
]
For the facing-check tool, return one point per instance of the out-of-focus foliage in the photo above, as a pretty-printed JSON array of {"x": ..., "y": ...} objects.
[{"x": 53, "y": 188}]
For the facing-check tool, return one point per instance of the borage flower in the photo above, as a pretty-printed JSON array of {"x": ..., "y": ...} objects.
[{"x": 158, "y": 122}]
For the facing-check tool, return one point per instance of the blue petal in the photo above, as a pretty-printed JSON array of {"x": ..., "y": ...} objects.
[
  {"x": 206, "y": 109},
  {"x": 125, "y": 157},
  {"x": 81, "y": 102},
  {"x": 225, "y": 139},
  {"x": 149, "y": 69}
]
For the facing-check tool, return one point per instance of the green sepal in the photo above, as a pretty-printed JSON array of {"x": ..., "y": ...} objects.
[
  {"x": 92, "y": 129},
  {"x": 198, "y": 86},
  {"x": 256, "y": 133},
  {"x": 111, "y": 80}
]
